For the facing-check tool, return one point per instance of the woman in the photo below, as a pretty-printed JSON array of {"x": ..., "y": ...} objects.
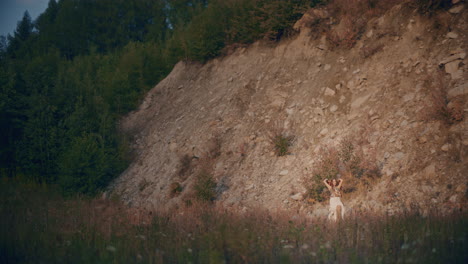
[{"x": 335, "y": 198}]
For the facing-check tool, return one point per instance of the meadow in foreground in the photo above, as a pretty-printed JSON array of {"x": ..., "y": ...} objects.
[{"x": 40, "y": 226}]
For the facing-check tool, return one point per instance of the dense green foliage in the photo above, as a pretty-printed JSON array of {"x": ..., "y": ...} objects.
[
  {"x": 67, "y": 77},
  {"x": 38, "y": 226}
]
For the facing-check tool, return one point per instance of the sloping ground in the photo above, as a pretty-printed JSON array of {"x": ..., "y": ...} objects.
[{"x": 381, "y": 97}]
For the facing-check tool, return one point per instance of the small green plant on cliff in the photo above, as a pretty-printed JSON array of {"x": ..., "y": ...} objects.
[
  {"x": 175, "y": 189},
  {"x": 282, "y": 144},
  {"x": 205, "y": 186}
]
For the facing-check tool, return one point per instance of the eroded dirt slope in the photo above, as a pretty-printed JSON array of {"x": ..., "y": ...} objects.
[{"x": 377, "y": 95}]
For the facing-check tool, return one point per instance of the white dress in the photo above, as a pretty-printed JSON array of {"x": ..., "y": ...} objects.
[{"x": 335, "y": 201}]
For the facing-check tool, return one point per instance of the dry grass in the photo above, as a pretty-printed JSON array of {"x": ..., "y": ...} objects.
[
  {"x": 430, "y": 6},
  {"x": 353, "y": 16},
  {"x": 39, "y": 226},
  {"x": 439, "y": 107},
  {"x": 281, "y": 139},
  {"x": 143, "y": 184},
  {"x": 185, "y": 167},
  {"x": 282, "y": 144},
  {"x": 346, "y": 161},
  {"x": 369, "y": 50},
  {"x": 214, "y": 147}
]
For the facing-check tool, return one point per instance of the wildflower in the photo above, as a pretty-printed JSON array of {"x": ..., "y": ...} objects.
[{"x": 111, "y": 248}]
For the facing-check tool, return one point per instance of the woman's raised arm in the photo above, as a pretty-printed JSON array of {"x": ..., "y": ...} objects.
[
  {"x": 341, "y": 182},
  {"x": 326, "y": 184}
]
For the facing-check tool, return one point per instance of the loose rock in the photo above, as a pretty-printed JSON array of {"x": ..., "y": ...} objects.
[
  {"x": 297, "y": 197},
  {"x": 445, "y": 147},
  {"x": 329, "y": 92},
  {"x": 456, "y": 9},
  {"x": 452, "y": 35}
]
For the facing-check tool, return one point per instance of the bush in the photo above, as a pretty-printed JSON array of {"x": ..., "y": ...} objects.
[
  {"x": 429, "y": 6},
  {"x": 205, "y": 186},
  {"x": 185, "y": 165},
  {"x": 326, "y": 169},
  {"x": 354, "y": 15},
  {"x": 439, "y": 106},
  {"x": 316, "y": 189},
  {"x": 143, "y": 184},
  {"x": 175, "y": 189},
  {"x": 346, "y": 162},
  {"x": 282, "y": 144}
]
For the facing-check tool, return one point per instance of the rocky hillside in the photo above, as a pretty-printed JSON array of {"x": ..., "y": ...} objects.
[{"x": 388, "y": 115}]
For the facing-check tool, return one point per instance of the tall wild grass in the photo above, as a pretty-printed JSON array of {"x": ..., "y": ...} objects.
[{"x": 37, "y": 225}]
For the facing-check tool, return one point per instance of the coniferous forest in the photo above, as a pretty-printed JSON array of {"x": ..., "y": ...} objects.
[{"x": 69, "y": 75}]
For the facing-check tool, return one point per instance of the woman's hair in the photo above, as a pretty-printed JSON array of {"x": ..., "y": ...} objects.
[{"x": 330, "y": 182}]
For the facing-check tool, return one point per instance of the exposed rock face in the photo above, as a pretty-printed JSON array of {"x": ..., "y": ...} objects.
[{"x": 222, "y": 115}]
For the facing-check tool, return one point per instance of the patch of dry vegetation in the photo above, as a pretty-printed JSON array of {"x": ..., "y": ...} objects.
[
  {"x": 352, "y": 17},
  {"x": 439, "y": 107},
  {"x": 347, "y": 161},
  {"x": 430, "y": 6},
  {"x": 39, "y": 226},
  {"x": 281, "y": 139}
]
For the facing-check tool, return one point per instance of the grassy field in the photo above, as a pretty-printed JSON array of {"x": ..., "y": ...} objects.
[{"x": 37, "y": 225}]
